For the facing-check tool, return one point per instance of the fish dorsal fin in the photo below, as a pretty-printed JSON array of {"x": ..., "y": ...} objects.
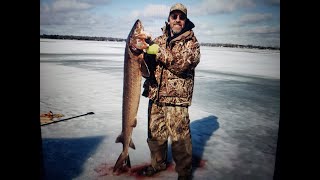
[
  {"x": 144, "y": 69},
  {"x": 131, "y": 144}
]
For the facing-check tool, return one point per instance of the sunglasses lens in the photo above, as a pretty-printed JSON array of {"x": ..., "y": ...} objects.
[{"x": 175, "y": 16}]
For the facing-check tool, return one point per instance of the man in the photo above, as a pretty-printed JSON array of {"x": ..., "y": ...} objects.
[{"x": 171, "y": 59}]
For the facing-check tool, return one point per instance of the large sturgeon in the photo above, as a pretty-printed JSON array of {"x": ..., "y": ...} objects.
[{"x": 134, "y": 69}]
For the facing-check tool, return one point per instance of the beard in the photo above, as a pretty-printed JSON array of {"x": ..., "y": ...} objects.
[{"x": 176, "y": 30}]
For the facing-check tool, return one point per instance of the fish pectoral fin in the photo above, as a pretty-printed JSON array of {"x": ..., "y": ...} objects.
[
  {"x": 119, "y": 138},
  {"x": 145, "y": 69},
  {"x": 134, "y": 123},
  {"x": 131, "y": 144}
]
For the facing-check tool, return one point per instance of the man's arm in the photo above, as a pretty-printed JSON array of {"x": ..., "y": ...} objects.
[{"x": 178, "y": 63}]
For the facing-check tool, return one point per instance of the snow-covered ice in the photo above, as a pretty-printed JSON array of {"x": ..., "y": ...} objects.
[{"x": 234, "y": 114}]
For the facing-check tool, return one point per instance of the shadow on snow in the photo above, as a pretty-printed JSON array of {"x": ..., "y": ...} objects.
[
  {"x": 201, "y": 132},
  {"x": 63, "y": 158}
]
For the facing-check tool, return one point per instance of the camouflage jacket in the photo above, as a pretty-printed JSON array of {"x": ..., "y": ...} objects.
[{"x": 173, "y": 70}]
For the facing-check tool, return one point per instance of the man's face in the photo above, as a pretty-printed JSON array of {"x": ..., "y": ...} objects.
[{"x": 177, "y": 21}]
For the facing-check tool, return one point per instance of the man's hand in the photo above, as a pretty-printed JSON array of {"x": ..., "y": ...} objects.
[
  {"x": 153, "y": 49},
  {"x": 138, "y": 41},
  {"x": 139, "y": 44}
]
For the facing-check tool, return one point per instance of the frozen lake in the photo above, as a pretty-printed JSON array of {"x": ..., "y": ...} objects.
[{"x": 234, "y": 114}]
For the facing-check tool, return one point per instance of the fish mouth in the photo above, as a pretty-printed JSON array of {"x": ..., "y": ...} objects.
[{"x": 138, "y": 24}]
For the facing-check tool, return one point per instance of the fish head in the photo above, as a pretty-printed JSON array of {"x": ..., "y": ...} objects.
[{"x": 137, "y": 37}]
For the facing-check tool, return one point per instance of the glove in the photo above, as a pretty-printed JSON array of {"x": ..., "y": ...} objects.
[{"x": 153, "y": 49}]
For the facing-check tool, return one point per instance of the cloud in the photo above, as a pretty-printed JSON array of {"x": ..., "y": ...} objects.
[
  {"x": 264, "y": 30},
  {"x": 273, "y": 2},
  {"x": 264, "y": 35},
  {"x": 68, "y": 18},
  {"x": 254, "y": 18},
  {"x": 152, "y": 11},
  {"x": 209, "y": 7},
  {"x": 69, "y": 5},
  {"x": 57, "y": 6},
  {"x": 205, "y": 29},
  {"x": 97, "y": 2},
  {"x": 71, "y": 12},
  {"x": 75, "y": 17},
  {"x": 62, "y": 11},
  {"x": 153, "y": 17}
]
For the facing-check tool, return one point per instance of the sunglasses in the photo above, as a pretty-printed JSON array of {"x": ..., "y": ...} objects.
[{"x": 175, "y": 16}]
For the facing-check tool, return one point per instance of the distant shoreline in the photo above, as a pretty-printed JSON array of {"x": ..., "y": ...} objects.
[{"x": 94, "y": 38}]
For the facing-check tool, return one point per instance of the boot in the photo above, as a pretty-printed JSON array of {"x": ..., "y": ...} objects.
[
  {"x": 158, "y": 151},
  {"x": 182, "y": 156}
]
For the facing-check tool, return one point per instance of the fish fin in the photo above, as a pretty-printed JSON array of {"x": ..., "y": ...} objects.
[
  {"x": 122, "y": 161},
  {"x": 134, "y": 122},
  {"x": 145, "y": 69},
  {"x": 131, "y": 144},
  {"x": 119, "y": 138},
  {"x": 128, "y": 163}
]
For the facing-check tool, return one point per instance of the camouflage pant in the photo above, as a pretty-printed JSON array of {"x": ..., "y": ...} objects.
[
  {"x": 173, "y": 122},
  {"x": 168, "y": 121}
]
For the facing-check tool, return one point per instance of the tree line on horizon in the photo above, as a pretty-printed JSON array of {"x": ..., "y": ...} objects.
[{"x": 95, "y": 38}]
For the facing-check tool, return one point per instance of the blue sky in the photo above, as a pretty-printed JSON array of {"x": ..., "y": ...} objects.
[{"x": 255, "y": 22}]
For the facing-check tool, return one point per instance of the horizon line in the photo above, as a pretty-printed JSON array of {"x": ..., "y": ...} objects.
[{"x": 203, "y": 43}]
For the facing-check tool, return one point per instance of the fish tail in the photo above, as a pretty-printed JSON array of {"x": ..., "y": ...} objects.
[{"x": 123, "y": 161}]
